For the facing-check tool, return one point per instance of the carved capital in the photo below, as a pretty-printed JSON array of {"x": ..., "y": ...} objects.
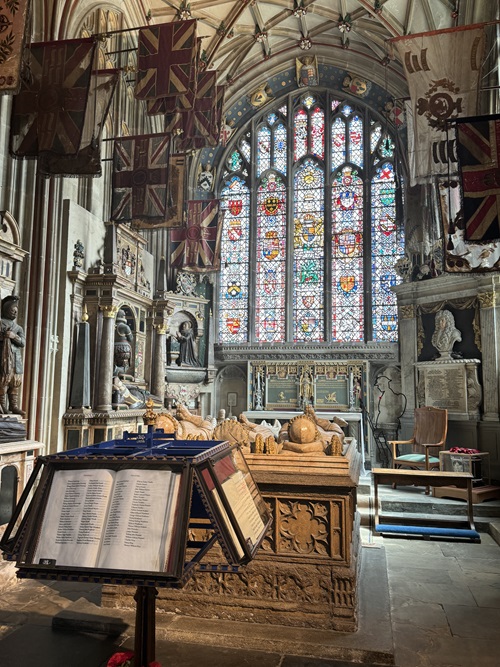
[
  {"x": 407, "y": 312},
  {"x": 486, "y": 299},
  {"x": 161, "y": 329},
  {"x": 109, "y": 311}
]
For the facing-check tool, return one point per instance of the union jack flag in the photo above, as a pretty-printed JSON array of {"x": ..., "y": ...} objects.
[
  {"x": 197, "y": 246},
  {"x": 479, "y": 158},
  {"x": 141, "y": 176},
  {"x": 49, "y": 112},
  {"x": 87, "y": 162},
  {"x": 166, "y": 57}
]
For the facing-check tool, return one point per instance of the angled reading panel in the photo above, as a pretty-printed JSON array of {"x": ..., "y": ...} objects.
[
  {"x": 119, "y": 516},
  {"x": 234, "y": 503}
]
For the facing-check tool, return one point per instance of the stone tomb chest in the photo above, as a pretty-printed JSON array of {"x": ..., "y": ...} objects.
[{"x": 305, "y": 574}]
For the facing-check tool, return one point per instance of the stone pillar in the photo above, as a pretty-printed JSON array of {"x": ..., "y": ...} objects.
[
  {"x": 158, "y": 370},
  {"x": 490, "y": 336},
  {"x": 105, "y": 378},
  {"x": 408, "y": 351}
]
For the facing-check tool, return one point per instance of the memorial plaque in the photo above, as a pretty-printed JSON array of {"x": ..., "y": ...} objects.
[
  {"x": 282, "y": 393},
  {"x": 332, "y": 393},
  {"x": 446, "y": 388}
]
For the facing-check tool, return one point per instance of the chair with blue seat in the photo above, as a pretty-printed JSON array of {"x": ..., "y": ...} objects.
[{"x": 429, "y": 435}]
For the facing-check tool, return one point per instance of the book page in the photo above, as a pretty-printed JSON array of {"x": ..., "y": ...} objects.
[
  {"x": 72, "y": 525},
  {"x": 140, "y": 511},
  {"x": 229, "y": 525},
  {"x": 243, "y": 505}
]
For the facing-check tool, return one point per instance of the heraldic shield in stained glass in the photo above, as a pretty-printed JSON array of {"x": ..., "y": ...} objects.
[{"x": 323, "y": 176}]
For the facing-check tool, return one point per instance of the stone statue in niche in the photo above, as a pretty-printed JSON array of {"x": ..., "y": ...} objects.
[
  {"x": 12, "y": 339},
  {"x": 445, "y": 334},
  {"x": 306, "y": 388},
  {"x": 123, "y": 346},
  {"x": 187, "y": 354}
]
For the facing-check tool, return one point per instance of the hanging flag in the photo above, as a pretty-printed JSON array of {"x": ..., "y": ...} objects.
[
  {"x": 87, "y": 162},
  {"x": 202, "y": 127},
  {"x": 49, "y": 112},
  {"x": 177, "y": 103},
  {"x": 141, "y": 179},
  {"x": 479, "y": 158},
  {"x": 166, "y": 55},
  {"x": 196, "y": 247},
  {"x": 13, "y": 30},
  {"x": 174, "y": 211},
  {"x": 442, "y": 68}
]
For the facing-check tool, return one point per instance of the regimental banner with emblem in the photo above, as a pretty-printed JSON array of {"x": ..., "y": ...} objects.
[
  {"x": 479, "y": 158},
  {"x": 49, "y": 113},
  {"x": 443, "y": 69},
  {"x": 87, "y": 162},
  {"x": 166, "y": 55},
  {"x": 12, "y": 36},
  {"x": 196, "y": 247},
  {"x": 142, "y": 173}
]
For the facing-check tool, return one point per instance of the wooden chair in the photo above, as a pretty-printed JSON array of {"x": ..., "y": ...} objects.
[{"x": 429, "y": 433}]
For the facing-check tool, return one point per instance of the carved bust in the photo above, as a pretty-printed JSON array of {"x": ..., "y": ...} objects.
[{"x": 445, "y": 334}]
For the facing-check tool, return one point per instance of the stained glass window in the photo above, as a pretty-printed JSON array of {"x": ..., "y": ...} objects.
[
  {"x": 310, "y": 235},
  {"x": 235, "y": 206},
  {"x": 386, "y": 249},
  {"x": 270, "y": 260},
  {"x": 347, "y": 254},
  {"x": 308, "y": 253},
  {"x": 264, "y": 151}
]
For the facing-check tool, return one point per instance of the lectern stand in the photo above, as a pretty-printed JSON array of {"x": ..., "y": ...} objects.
[{"x": 120, "y": 513}]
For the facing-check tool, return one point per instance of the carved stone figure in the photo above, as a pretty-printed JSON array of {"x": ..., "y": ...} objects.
[
  {"x": 303, "y": 436},
  {"x": 445, "y": 334},
  {"x": 187, "y": 354},
  {"x": 12, "y": 339},
  {"x": 123, "y": 345},
  {"x": 306, "y": 389},
  {"x": 128, "y": 396},
  {"x": 307, "y": 71},
  {"x": 190, "y": 425}
]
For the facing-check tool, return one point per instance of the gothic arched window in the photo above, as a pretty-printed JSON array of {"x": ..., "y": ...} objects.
[{"x": 310, "y": 234}]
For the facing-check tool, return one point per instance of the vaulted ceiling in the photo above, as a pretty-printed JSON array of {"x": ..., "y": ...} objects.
[{"x": 243, "y": 39}]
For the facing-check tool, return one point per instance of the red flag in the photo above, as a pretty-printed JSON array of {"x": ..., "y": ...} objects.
[
  {"x": 196, "y": 247},
  {"x": 165, "y": 60},
  {"x": 49, "y": 112},
  {"x": 479, "y": 159}
]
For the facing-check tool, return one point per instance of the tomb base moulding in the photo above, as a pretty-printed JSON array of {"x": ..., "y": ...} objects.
[
  {"x": 306, "y": 572},
  {"x": 452, "y": 384}
]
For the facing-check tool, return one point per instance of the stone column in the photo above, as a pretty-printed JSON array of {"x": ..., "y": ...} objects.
[
  {"x": 490, "y": 336},
  {"x": 408, "y": 351},
  {"x": 158, "y": 370},
  {"x": 105, "y": 378}
]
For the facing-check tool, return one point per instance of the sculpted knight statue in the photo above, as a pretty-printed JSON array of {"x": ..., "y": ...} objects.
[
  {"x": 445, "y": 334},
  {"x": 11, "y": 363}
]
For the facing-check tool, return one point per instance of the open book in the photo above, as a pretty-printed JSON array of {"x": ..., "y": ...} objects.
[{"x": 120, "y": 520}]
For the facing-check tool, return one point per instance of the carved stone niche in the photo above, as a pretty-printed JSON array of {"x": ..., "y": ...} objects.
[
  {"x": 306, "y": 572},
  {"x": 10, "y": 252}
]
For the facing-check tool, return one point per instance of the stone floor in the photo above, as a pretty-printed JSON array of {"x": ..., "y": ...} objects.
[{"x": 422, "y": 604}]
